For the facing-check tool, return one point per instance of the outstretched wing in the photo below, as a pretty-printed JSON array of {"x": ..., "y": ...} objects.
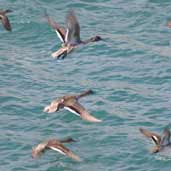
[
  {"x": 59, "y": 147},
  {"x": 73, "y": 29},
  {"x": 60, "y": 31},
  {"x": 53, "y": 107},
  {"x": 165, "y": 138},
  {"x": 5, "y": 22},
  {"x": 36, "y": 151},
  {"x": 155, "y": 137},
  {"x": 78, "y": 109}
]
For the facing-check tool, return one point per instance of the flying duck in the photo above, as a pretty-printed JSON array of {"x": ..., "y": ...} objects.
[
  {"x": 69, "y": 36},
  {"x": 161, "y": 142},
  {"x": 70, "y": 102},
  {"x": 5, "y": 20},
  {"x": 56, "y": 145}
]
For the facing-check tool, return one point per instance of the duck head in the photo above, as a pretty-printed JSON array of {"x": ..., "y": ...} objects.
[{"x": 95, "y": 39}]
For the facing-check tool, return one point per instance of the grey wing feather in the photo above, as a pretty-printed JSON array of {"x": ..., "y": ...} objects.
[
  {"x": 5, "y": 22},
  {"x": 73, "y": 29},
  {"x": 59, "y": 30},
  {"x": 83, "y": 113}
]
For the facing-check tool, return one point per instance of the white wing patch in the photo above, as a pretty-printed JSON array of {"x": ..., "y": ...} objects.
[
  {"x": 60, "y": 37},
  {"x": 58, "y": 150},
  {"x": 66, "y": 35},
  {"x": 155, "y": 139},
  {"x": 72, "y": 111}
]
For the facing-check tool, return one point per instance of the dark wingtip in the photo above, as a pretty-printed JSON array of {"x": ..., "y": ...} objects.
[
  {"x": 8, "y": 10},
  {"x": 7, "y": 26},
  {"x": 9, "y": 30}
]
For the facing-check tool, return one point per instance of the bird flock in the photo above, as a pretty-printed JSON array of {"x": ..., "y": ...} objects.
[{"x": 70, "y": 39}]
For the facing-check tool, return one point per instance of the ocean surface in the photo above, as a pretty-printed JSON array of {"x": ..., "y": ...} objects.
[{"x": 130, "y": 72}]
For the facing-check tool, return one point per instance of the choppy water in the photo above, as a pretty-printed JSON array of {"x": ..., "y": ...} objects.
[{"x": 130, "y": 71}]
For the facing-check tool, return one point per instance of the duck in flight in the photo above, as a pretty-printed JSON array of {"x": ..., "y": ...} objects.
[
  {"x": 56, "y": 145},
  {"x": 70, "y": 103},
  {"x": 5, "y": 20},
  {"x": 69, "y": 36},
  {"x": 161, "y": 142}
]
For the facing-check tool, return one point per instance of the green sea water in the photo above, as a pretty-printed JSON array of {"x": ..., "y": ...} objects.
[{"x": 130, "y": 72}]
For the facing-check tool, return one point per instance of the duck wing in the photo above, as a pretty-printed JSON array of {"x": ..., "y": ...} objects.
[
  {"x": 60, "y": 31},
  {"x": 5, "y": 21},
  {"x": 53, "y": 107},
  {"x": 165, "y": 138},
  {"x": 59, "y": 147},
  {"x": 73, "y": 29},
  {"x": 36, "y": 151},
  {"x": 155, "y": 137},
  {"x": 78, "y": 109}
]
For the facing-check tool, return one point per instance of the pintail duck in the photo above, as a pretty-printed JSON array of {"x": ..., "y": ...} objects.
[
  {"x": 5, "y": 20},
  {"x": 70, "y": 37},
  {"x": 56, "y": 145},
  {"x": 70, "y": 102},
  {"x": 161, "y": 142}
]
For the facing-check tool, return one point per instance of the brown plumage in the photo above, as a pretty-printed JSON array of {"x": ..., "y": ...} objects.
[
  {"x": 5, "y": 20},
  {"x": 69, "y": 36},
  {"x": 160, "y": 141},
  {"x": 56, "y": 145},
  {"x": 70, "y": 102}
]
